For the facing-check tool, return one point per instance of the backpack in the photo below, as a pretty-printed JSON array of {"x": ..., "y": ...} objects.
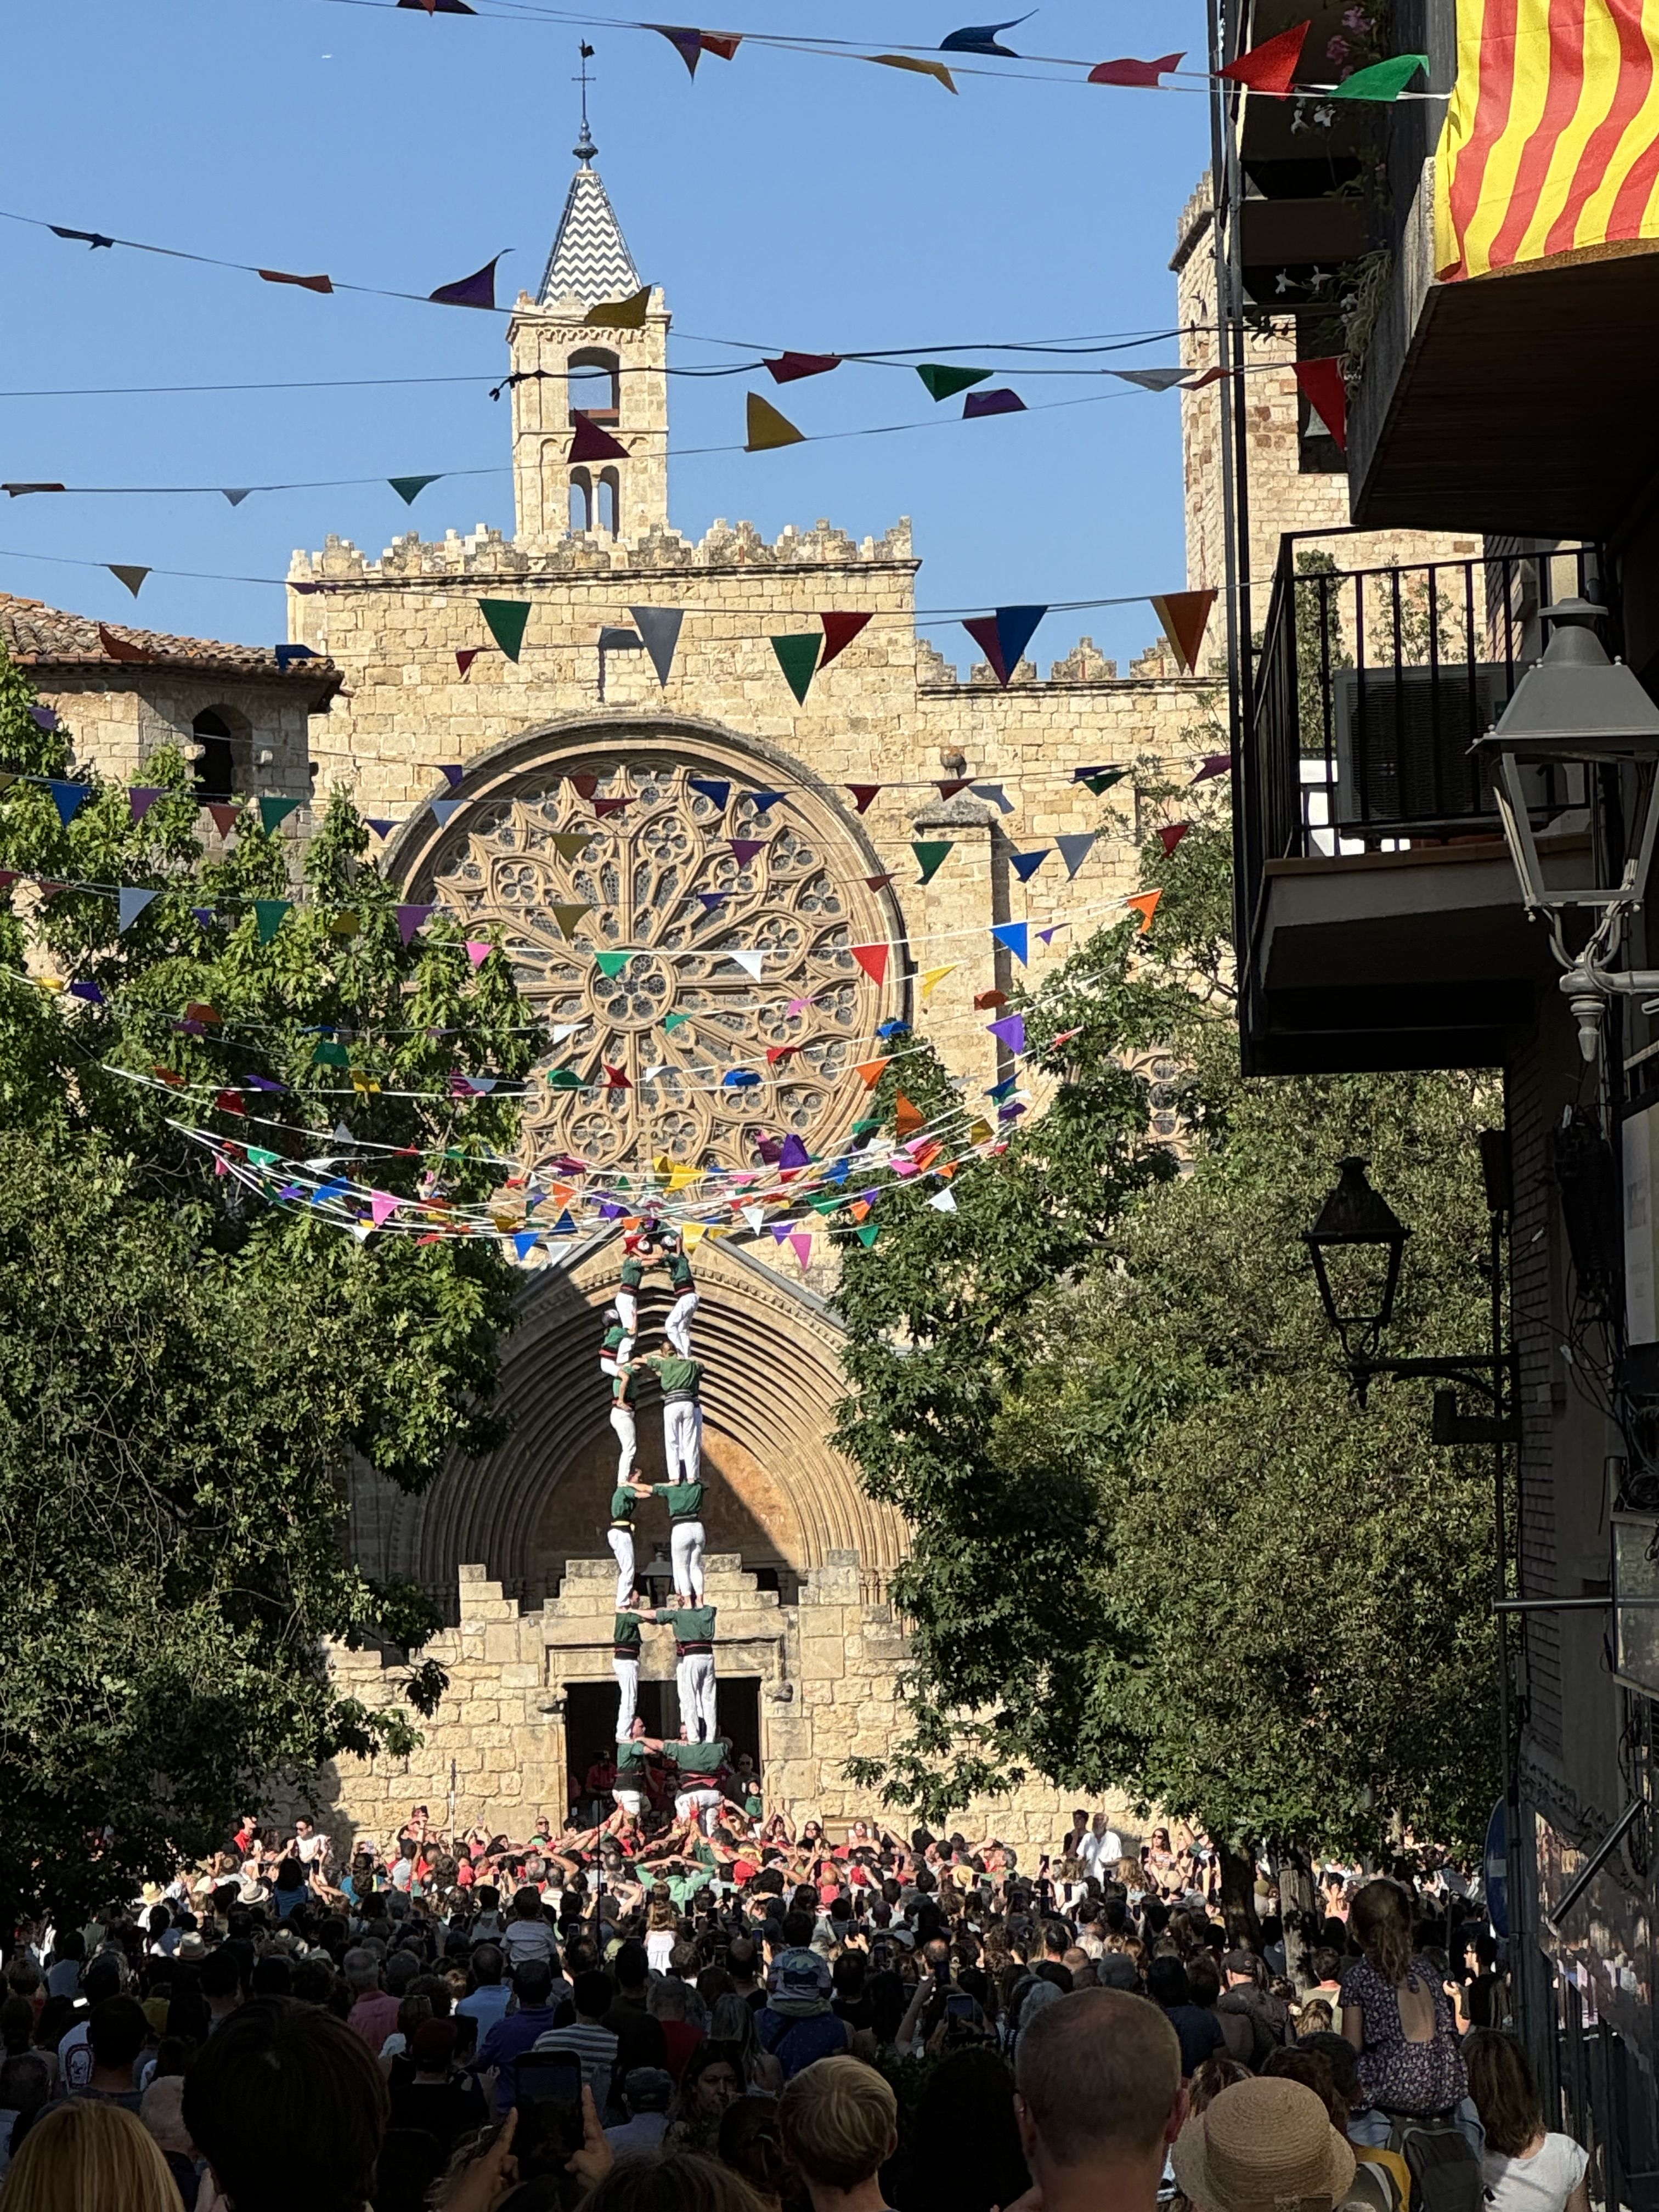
[{"x": 1446, "y": 2175}]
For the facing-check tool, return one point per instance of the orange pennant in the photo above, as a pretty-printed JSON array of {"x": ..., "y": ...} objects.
[
  {"x": 1146, "y": 905},
  {"x": 1184, "y": 615},
  {"x": 871, "y": 1070},
  {"x": 909, "y": 1116}
]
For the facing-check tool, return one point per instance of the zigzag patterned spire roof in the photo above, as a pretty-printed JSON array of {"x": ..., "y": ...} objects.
[{"x": 590, "y": 261}]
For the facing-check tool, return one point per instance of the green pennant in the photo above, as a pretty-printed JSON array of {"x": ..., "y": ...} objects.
[
  {"x": 273, "y": 813},
  {"x": 929, "y": 856},
  {"x": 563, "y": 1079},
  {"x": 1105, "y": 780},
  {"x": 506, "y": 619},
  {"x": 569, "y": 844},
  {"x": 867, "y": 1233},
  {"x": 942, "y": 381},
  {"x": 869, "y": 1123},
  {"x": 330, "y": 1053},
  {"x": 261, "y": 1157},
  {"x": 1382, "y": 80},
  {"x": 568, "y": 916},
  {"x": 833, "y": 1204},
  {"x": 797, "y": 657},
  {"x": 612, "y": 964},
  {"x": 673, "y": 1021},
  {"x": 409, "y": 489},
  {"x": 269, "y": 912}
]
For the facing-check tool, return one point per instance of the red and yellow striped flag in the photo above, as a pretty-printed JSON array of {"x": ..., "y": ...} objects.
[{"x": 1551, "y": 144}]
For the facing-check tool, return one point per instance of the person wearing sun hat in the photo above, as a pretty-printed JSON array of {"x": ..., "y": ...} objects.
[{"x": 1263, "y": 2146}]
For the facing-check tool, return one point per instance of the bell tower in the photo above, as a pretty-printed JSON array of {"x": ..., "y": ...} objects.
[{"x": 616, "y": 376}]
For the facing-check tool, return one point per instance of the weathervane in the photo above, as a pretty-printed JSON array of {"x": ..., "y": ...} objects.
[{"x": 584, "y": 148}]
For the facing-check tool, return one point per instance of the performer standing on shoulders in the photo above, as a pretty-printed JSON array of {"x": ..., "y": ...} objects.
[
  {"x": 678, "y": 1326},
  {"x": 682, "y": 1411},
  {"x": 637, "y": 1257},
  {"x": 685, "y": 1532},
  {"x": 632, "y": 1751},
  {"x": 625, "y": 1648},
  {"x": 694, "y": 1664}
]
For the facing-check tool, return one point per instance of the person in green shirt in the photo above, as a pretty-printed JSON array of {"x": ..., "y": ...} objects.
[
  {"x": 632, "y": 1751},
  {"x": 624, "y": 1497},
  {"x": 625, "y": 1653},
  {"x": 636, "y": 1258},
  {"x": 678, "y": 1326},
  {"x": 685, "y": 1532},
  {"x": 694, "y": 1664},
  {"x": 701, "y": 1768},
  {"x": 682, "y": 1417}
]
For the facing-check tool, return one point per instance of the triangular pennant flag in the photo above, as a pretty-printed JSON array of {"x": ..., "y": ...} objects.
[
  {"x": 273, "y": 813},
  {"x": 230, "y": 1102},
  {"x": 715, "y": 789},
  {"x": 237, "y": 497},
  {"x": 800, "y": 1244},
  {"x": 712, "y": 900},
  {"x": 506, "y": 619},
  {"x": 723, "y": 45},
  {"x": 839, "y": 631},
  {"x": 661, "y": 628},
  {"x": 951, "y": 784},
  {"x": 755, "y": 1216},
  {"x": 564, "y": 1226},
  {"x": 862, "y": 794},
  {"x": 797, "y": 657},
  {"x": 1184, "y": 617},
  {"x": 606, "y": 807},
  {"x": 688, "y": 44},
  {"x": 612, "y": 964},
  {"x": 591, "y": 443},
  {"x": 922, "y": 68},
  {"x": 982, "y": 629},
  {"x": 1075, "y": 848},
  {"x": 1171, "y": 838},
  {"x": 119, "y": 648},
  {"x": 767, "y": 429},
  {"x": 867, "y": 1233},
  {"x": 477, "y": 290},
  {"x": 871, "y": 1071},
  {"x": 1010, "y": 1031},
  {"x": 1025, "y": 865},
  {"x": 616, "y": 1078},
  {"x": 1213, "y": 764},
  {"x": 981, "y": 39},
  {"x": 932, "y": 977},
  {"x": 1146, "y": 905},
  {"x": 908, "y": 1116},
  {"x": 880, "y": 882},
  {"x": 140, "y": 798},
  {"x": 1382, "y": 81},
  {"x": 268, "y": 914},
  {"x": 627, "y": 315},
  {"x": 790, "y": 368},
  {"x": 1322, "y": 386},
  {"x": 413, "y": 918},
  {"x": 567, "y": 843},
  {"x": 1143, "y": 74},
  {"x": 931, "y": 855},
  {"x": 943, "y": 1202},
  {"x": 994, "y": 795},
  {"x": 306, "y": 283},
  {"x": 873, "y": 958},
  {"x": 524, "y": 1241},
  {"x": 466, "y": 656},
  {"x": 984, "y": 999},
  {"x": 446, "y": 810},
  {"x": 567, "y": 917},
  {"x": 673, "y": 1021},
  {"x": 1004, "y": 636},
  {"x": 1014, "y": 935},
  {"x": 132, "y": 578},
  {"x": 583, "y": 784},
  {"x": 775, "y": 1053},
  {"x": 69, "y": 799},
  {"x": 453, "y": 774},
  {"x": 1000, "y": 400},
  {"x": 943, "y": 379},
  {"x": 1151, "y": 379},
  {"x": 750, "y": 962},
  {"x": 1099, "y": 779},
  {"x": 132, "y": 904},
  {"x": 409, "y": 489},
  {"x": 382, "y": 1205},
  {"x": 744, "y": 849},
  {"x": 1270, "y": 67}
]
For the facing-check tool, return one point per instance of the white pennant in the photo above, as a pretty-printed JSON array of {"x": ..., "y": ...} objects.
[
  {"x": 755, "y": 1216},
  {"x": 750, "y": 962},
  {"x": 943, "y": 1202}
]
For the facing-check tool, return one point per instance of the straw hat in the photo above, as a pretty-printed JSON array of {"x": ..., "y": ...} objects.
[{"x": 1263, "y": 2146}]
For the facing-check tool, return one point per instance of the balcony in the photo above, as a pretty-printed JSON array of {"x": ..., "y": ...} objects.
[{"x": 1378, "y": 913}]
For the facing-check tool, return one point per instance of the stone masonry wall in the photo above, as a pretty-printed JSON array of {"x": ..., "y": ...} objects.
[{"x": 827, "y": 1667}]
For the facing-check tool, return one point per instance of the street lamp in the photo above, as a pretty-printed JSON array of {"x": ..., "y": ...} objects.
[
  {"x": 1574, "y": 713},
  {"x": 1358, "y": 1222}
]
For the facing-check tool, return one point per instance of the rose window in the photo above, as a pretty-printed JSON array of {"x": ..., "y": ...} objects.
[{"x": 679, "y": 1015}]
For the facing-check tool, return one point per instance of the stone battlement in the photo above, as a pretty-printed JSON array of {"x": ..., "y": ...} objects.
[{"x": 486, "y": 555}]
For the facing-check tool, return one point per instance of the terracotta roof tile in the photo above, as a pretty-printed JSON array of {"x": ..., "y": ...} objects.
[{"x": 37, "y": 636}]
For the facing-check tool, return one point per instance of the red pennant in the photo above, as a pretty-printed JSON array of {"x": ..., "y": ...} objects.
[
  {"x": 230, "y": 1102},
  {"x": 603, "y": 806},
  {"x": 584, "y": 785},
  {"x": 616, "y": 1078},
  {"x": 951, "y": 784},
  {"x": 225, "y": 818},
  {"x": 591, "y": 443},
  {"x": 790, "y": 368},
  {"x": 1199, "y": 383},
  {"x": 465, "y": 658},
  {"x": 873, "y": 958},
  {"x": 775, "y": 1053},
  {"x": 983, "y": 631},
  {"x": 1171, "y": 837},
  {"x": 1321, "y": 384},
  {"x": 723, "y": 45},
  {"x": 306, "y": 283},
  {"x": 879, "y": 883},
  {"x": 986, "y": 999},
  {"x": 1143, "y": 74},
  {"x": 839, "y": 631},
  {"x": 1184, "y": 617},
  {"x": 1270, "y": 67},
  {"x": 862, "y": 792},
  {"x": 118, "y": 648}
]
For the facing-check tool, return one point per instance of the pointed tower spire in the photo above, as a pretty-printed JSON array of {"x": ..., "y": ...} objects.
[{"x": 590, "y": 261}]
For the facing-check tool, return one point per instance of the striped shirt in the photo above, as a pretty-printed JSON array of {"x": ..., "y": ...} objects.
[{"x": 594, "y": 2045}]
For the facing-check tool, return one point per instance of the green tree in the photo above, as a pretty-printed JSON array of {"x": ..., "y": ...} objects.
[
  {"x": 1156, "y": 1545},
  {"x": 191, "y": 1370}
]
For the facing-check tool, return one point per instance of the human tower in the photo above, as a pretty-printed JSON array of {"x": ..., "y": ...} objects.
[{"x": 700, "y": 1757}]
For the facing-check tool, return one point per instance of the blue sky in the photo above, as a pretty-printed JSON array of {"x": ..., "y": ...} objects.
[{"x": 781, "y": 198}]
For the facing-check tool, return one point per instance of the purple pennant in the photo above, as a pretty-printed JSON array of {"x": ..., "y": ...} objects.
[
  {"x": 380, "y": 829},
  {"x": 793, "y": 1153},
  {"x": 770, "y": 1148},
  {"x": 44, "y": 718},
  {"x": 411, "y": 918},
  {"x": 477, "y": 290},
  {"x": 453, "y": 771},
  {"x": 140, "y": 800},
  {"x": 1010, "y": 1031},
  {"x": 261, "y": 1083},
  {"x": 780, "y": 1230},
  {"x": 688, "y": 44},
  {"x": 1049, "y": 935},
  {"x": 90, "y": 992},
  {"x": 205, "y": 915},
  {"x": 711, "y": 900},
  {"x": 744, "y": 849},
  {"x": 610, "y": 1212},
  {"x": 291, "y": 1190},
  {"x": 998, "y": 401}
]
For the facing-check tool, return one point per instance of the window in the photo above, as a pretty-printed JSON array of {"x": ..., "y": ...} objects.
[
  {"x": 215, "y": 771},
  {"x": 595, "y": 384},
  {"x": 609, "y": 501},
  {"x": 581, "y": 500}
]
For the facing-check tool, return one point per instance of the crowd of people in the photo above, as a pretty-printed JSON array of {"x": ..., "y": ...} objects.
[{"x": 873, "y": 2021}]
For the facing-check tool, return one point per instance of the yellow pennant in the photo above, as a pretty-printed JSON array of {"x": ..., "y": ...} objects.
[
  {"x": 767, "y": 429},
  {"x": 922, "y": 68},
  {"x": 933, "y": 976}
]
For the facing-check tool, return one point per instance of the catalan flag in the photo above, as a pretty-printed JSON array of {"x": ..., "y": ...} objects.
[{"x": 1551, "y": 143}]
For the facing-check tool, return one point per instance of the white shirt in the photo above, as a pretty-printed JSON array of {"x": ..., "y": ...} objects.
[
  {"x": 1096, "y": 1851},
  {"x": 1542, "y": 2182},
  {"x": 528, "y": 1939}
]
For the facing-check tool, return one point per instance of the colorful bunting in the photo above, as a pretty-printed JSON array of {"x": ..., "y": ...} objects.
[
  {"x": 591, "y": 443},
  {"x": 1151, "y": 380},
  {"x": 606, "y": 807},
  {"x": 867, "y": 1233},
  {"x": 908, "y": 1116},
  {"x": 567, "y": 915},
  {"x": 140, "y": 798},
  {"x": 943, "y": 1202},
  {"x": 477, "y": 290},
  {"x": 800, "y": 1244},
  {"x": 413, "y": 918},
  {"x": 983, "y": 1001},
  {"x": 445, "y": 811},
  {"x": 121, "y": 648},
  {"x": 612, "y": 964},
  {"x": 943, "y": 379},
  {"x": 69, "y": 799},
  {"x": 661, "y": 628},
  {"x": 1382, "y": 81},
  {"x": 764, "y": 801},
  {"x": 931, "y": 856},
  {"x": 506, "y": 619},
  {"x": 273, "y": 813},
  {"x": 1004, "y": 636},
  {"x": 627, "y": 315},
  {"x": 1270, "y": 67},
  {"x": 752, "y": 962},
  {"x": 1322, "y": 386},
  {"x": 466, "y": 656},
  {"x": 744, "y": 849},
  {"x": 306, "y": 283},
  {"x": 862, "y": 794},
  {"x": 1213, "y": 765},
  {"x": 790, "y": 368},
  {"x": 409, "y": 489},
  {"x": 994, "y": 795},
  {"x": 1009, "y": 1032},
  {"x": 1171, "y": 837},
  {"x": 1184, "y": 617},
  {"x": 1144, "y": 75},
  {"x": 932, "y": 977},
  {"x": 936, "y": 70},
  {"x": 797, "y": 657},
  {"x": 1000, "y": 401},
  {"x": 1014, "y": 935},
  {"x": 268, "y": 915},
  {"x": 767, "y": 429},
  {"x": 873, "y": 958},
  {"x": 717, "y": 790},
  {"x": 237, "y": 497}
]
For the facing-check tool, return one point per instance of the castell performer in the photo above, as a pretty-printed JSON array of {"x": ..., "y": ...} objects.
[
  {"x": 678, "y": 1326},
  {"x": 682, "y": 1412},
  {"x": 685, "y": 1532},
  {"x": 632, "y": 1751},
  {"x": 693, "y": 1663},
  {"x": 637, "y": 1257},
  {"x": 624, "y": 1503},
  {"x": 700, "y": 1769},
  {"x": 625, "y": 1650}
]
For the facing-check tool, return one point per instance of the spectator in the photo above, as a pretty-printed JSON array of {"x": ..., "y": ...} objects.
[
  {"x": 287, "y": 2107},
  {"x": 116, "y": 2033},
  {"x": 751, "y": 2145},
  {"x": 533, "y": 1984},
  {"x": 221, "y": 1983},
  {"x": 528, "y": 1934},
  {"x": 1527, "y": 2166},
  {"x": 646, "y": 2093},
  {"x": 1199, "y": 2031},
  {"x": 964, "y": 2154},
  {"x": 64, "y": 1975},
  {"x": 434, "y": 2099},
  {"x": 373, "y": 2014},
  {"x": 681, "y": 2182},
  {"x": 640, "y": 2041},
  {"x": 671, "y": 2003},
  {"x": 25, "y": 2086},
  {"x": 1398, "y": 2017},
  {"x": 1265, "y": 2019},
  {"x": 586, "y": 2037},
  {"x": 1263, "y": 2144},
  {"x": 1098, "y": 2101},
  {"x": 839, "y": 2121},
  {"x": 487, "y": 1999},
  {"x": 712, "y": 2082},
  {"x": 91, "y": 2154},
  {"x": 798, "y": 2024},
  {"x": 161, "y": 2114}
]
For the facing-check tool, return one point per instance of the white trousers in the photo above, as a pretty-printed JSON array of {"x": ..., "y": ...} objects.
[
  {"x": 627, "y": 1693},
  {"x": 694, "y": 1677},
  {"x": 685, "y": 1550},
  {"x": 621, "y": 1420},
  {"x": 622, "y": 1550},
  {"x": 628, "y": 1311},
  {"x": 678, "y": 1326},
  {"x": 682, "y": 1439},
  {"x": 707, "y": 1802},
  {"x": 632, "y": 1802}
]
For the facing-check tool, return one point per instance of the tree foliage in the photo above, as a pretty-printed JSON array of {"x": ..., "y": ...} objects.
[
  {"x": 1156, "y": 1546},
  {"x": 189, "y": 1372}
]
